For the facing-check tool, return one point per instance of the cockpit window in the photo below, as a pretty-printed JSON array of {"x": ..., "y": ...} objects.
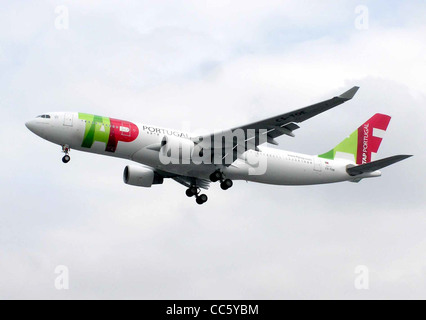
[{"x": 44, "y": 116}]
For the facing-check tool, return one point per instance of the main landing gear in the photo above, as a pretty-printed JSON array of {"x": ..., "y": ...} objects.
[
  {"x": 225, "y": 184},
  {"x": 194, "y": 191},
  {"x": 66, "y": 158}
]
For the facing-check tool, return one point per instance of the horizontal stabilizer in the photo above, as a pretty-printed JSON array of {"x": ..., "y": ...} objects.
[{"x": 375, "y": 165}]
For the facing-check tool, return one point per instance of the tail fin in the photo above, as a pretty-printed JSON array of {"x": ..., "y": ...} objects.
[{"x": 363, "y": 143}]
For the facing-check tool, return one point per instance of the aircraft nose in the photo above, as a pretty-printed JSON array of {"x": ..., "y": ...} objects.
[
  {"x": 36, "y": 127},
  {"x": 30, "y": 125}
]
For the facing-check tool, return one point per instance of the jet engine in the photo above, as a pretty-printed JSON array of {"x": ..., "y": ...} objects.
[
  {"x": 175, "y": 148},
  {"x": 141, "y": 176}
]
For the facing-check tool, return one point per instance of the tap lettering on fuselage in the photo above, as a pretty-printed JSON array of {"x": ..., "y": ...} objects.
[{"x": 107, "y": 130}]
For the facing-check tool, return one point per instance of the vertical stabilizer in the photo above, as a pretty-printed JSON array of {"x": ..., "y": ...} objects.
[{"x": 363, "y": 144}]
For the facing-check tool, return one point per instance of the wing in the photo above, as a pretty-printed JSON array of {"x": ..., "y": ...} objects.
[
  {"x": 285, "y": 123},
  {"x": 267, "y": 130}
]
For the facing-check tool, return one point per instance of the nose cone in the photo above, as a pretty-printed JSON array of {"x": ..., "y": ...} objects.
[
  {"x": 36, "y": 127},
  {"x": 30, "y": 125}
]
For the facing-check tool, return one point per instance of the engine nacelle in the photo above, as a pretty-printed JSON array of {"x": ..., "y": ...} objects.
[
  {"x": 141, "y": 176},
  {"x": 175, "y": 148}
]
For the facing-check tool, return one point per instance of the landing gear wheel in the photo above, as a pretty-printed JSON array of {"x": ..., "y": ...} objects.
[
  {"x": 201, "y": 199},
  {"x": 216, "y": 176},
  {"x": 66, "y": 158},
  {"x": 192, "y": 191},
  {"x": 226, "y": 184},
  {"x": 66, "y": 149}
]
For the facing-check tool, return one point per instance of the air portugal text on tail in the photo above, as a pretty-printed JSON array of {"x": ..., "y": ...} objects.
[
  {"x": 363, "y": 144},
  {"x": 238, "y": 153},
  {"x": 362, "y": 147}
]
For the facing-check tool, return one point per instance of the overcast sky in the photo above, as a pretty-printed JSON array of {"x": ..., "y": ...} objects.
[{"x": 210, "y": 65}]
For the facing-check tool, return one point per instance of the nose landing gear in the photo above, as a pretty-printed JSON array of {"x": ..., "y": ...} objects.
[
  {"x": 194, "y": 191},
  {"x": 66, "y": 158}
]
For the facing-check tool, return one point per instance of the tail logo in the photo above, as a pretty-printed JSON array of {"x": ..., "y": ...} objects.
[
  {"x": 365, "y": 143},
  {"x": 370, "y": 136}
]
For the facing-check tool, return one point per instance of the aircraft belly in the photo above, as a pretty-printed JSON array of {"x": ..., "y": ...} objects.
[
  {"x": 287, "y": 173},
  {"x": 280, "y": 171}
]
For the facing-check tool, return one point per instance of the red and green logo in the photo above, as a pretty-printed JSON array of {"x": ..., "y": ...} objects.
[
  {"x": 363, "y": 142},
  {"x": 107, "y": 130}
]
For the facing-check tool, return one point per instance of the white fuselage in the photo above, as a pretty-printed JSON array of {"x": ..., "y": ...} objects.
[{"x": 271, "y": 166}]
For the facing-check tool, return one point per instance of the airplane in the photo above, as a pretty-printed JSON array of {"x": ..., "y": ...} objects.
[{"x": 240, "y": 153}]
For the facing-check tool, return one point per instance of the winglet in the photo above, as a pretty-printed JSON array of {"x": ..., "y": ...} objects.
[{"x": 348, "y": 95}]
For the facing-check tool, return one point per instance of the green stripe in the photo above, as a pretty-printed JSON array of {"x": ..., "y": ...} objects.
[
  {"x": 349, "y": 145},
  {"x": 93, "y": 131}
]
